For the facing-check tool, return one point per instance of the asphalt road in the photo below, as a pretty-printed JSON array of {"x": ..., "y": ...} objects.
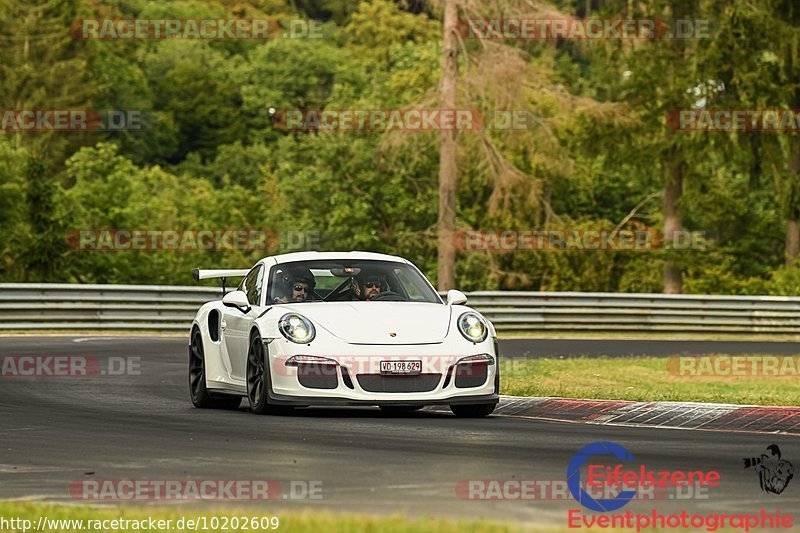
[{"x": 141, "y": 425}]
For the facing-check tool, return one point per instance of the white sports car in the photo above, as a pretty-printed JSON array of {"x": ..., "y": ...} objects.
[{"x": 333, "y": 328}]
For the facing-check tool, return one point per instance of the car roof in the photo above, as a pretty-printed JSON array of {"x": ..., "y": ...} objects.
[{"x": 333, "y": 256}]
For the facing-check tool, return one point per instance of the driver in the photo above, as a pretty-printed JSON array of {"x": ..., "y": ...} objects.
[{"x": 368, "y": 286}]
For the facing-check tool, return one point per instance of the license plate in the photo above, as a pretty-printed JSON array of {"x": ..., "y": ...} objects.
[{"x": 404, "y": 368}]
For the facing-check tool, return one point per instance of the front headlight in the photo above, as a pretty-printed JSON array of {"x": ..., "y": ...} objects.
[
  {"x": 472, "y": 327},
  {"x": 297, "y": 328}
]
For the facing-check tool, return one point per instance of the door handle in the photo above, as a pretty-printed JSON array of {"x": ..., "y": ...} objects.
[{"x": 223, "y": 325}]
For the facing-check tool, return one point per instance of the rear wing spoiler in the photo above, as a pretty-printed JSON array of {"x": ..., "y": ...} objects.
[{"x": 199, "y": 274}]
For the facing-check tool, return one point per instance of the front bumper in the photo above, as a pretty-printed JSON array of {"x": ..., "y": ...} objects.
[{"x": 353, "y": 376}]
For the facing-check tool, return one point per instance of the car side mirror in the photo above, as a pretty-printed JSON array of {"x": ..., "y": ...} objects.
[
  {"x": 455, "y": 297},
  {"x": 237, "y": 299}
]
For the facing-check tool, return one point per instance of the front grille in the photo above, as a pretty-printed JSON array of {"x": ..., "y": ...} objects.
[
  {"x": 471, "y": 374},
  {"x": 317, "y": 376},
  {"x": 380, "y": 383}
]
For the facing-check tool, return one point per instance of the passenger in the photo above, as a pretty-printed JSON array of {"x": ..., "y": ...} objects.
[
  {"x": 301, "y": 287},
  {"x": 300, "y": 290}
]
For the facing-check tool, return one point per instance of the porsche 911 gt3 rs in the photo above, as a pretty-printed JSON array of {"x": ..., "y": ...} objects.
[{"x": 334, "y": 328}]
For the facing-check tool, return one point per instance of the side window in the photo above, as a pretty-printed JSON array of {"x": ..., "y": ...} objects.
[{"x": 253, "y": 285}]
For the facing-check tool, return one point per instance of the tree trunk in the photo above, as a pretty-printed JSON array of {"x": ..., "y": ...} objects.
[
  {"x": 673, "y": 281},
  {"x": 448, "y": 171},
  {"x": 792, "y": 241},
  {"x": 792, "y": 223}
]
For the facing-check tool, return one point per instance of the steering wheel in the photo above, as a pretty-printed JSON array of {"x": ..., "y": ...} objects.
[{"x": 389, "y": 296}]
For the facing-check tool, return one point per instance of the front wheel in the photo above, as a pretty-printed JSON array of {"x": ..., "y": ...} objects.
[
  {"x": 476, "y": 410},
  {"x": 201, "y": 398},
  {"x": 258, "y": 380}
]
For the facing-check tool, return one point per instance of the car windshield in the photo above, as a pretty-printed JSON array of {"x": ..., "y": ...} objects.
[{"x": 341, "y": 281}]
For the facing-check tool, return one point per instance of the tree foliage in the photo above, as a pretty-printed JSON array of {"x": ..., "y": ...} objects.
[{"x": 596, "y": 151}]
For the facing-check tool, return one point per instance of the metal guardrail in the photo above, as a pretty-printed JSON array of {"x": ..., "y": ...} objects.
[{"x": 25, "y": 306}]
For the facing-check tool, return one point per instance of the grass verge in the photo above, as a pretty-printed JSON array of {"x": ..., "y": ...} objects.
[{"x": 641, "y": 379}]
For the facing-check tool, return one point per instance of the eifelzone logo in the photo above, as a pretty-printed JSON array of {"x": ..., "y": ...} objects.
[
  {"x": 774, "y": 472},
  {"x": 624, "y": 476}
]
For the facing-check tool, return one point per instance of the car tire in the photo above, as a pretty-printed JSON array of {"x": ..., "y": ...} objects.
[
  {"x": 199, "y": 393},
  {"x": 259, "y": 380},
  {"x": 476, "y": 410},
  {"x": 400, "y": 409}
]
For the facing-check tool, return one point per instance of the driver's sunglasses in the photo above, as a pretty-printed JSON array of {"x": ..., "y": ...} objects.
[
  {"x": 300, "y": 288},
  {"x": 372, "y": 285}
]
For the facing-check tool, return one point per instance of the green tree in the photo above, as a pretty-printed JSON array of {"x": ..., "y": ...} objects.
[
  {"x": 194, "y": 83},
  {"x": 14, "y": 222},
  {"x": 43, "y": 68}
]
